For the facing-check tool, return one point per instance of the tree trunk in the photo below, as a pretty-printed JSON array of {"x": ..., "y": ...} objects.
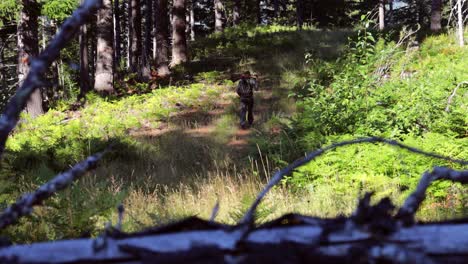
[
  {"x": 436, "y": 15},
  {"x": 275, "y": 8},
  {"x": 28, "y": 48},
  {"x": 381, "y": 15},
  {"x": 162, "y": 38},
  {"x": 134, "y": 35},
  {"x": 259, "y": 12},
  {"x": 192, "y": 20},
  {"x": 179, "y": 40},
  {"x": 218, "y": 8},
  {"x": 461, "y": 40},
  {"x": 236, "y": 17},
  {"x": 147, "y": 43},
  {"x": 299, "y": 12},
  {"x": 104, "y": 76},
  {"x": 117, "y": 35},
  {"x": 84, "y": 62}
]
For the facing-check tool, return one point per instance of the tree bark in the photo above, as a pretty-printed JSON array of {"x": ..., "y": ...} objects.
[
  {"x": 275, "y": 8},
  {"x": 436, "y": 15},
  {"x": 461, "y": 40},
  {"x": 84, "y": 62},
  {"x": 236, "y": 12},
  {"x": 192, "y": 20},
  {"x": 218, "y": 8},
  {"x": 28, "y": 48},
  {"x": 299, "y": 14},
  {"x": 381, "y": 15},
  {"x": 104, "y": 76},
  {"x": 179, "y": 40},
  {"x": 117, "y": 35},
  {"x": 147, "y": 43},
  {"x": 290, "y": 239},
  {"x": 134, "y": 35},
  {"x": 162, "y": 38},
  {"x": 259, "y": 12}
]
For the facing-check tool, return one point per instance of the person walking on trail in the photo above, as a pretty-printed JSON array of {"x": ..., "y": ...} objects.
[{"x": 245, "y": 90}]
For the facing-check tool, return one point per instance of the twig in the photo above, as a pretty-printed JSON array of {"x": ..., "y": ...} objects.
[
  {"x": 24, "y": 206},
  {"x": 39, "y": 66},
  {"x": 248, "y": 219},
  {"x": 449, "y": 101},
  {"x": 214, "y": 212},
  {"x": 412, "y": 203}
]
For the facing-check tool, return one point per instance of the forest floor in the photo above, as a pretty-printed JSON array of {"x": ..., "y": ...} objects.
[{"x": 221, "y": 125}]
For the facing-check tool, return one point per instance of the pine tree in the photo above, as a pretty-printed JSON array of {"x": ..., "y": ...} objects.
[
  {"x": 104, "y": 76},
  {"x": 28, "y": 47},
  {"x": 179, "y": 40}
]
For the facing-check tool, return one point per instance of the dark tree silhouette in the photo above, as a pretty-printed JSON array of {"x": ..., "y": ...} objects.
[
  {"x": 436, "y": 15},
  {"x": 134, "y": 35},
  {"x": 104, "y": 76},
  {"x": 162, "y": 38},
  {"x": 179, "y": 39},
  {"x": 27, "y": 49}
]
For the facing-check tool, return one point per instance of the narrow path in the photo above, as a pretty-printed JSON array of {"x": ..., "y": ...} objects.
[{"x": 197, "y": 143}]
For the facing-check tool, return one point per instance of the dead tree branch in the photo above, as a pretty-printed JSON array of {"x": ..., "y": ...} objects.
[
  {"x": 39, "y": 66},
  {"x": 412, "y": 203},
  {"x": 278, "y": 176},
  {"x": 449, "y": 100}
]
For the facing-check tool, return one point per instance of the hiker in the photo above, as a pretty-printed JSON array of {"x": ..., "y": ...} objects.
[{"x": 245, "y": 89}]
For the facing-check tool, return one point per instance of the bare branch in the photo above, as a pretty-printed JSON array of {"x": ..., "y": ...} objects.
[
  {"x": 249, "y": 216},
  {"x": 449, "y": 100},
  {"x": 412, "y": 203},
  {"x": 39, "y": 66},
  {"x": 24, "y": 206},
  {"x": 214, "y": 212}
]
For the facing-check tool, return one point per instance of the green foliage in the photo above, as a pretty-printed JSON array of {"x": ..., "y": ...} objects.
[
  {"x": 381, "y": 89},
  {"x": 59, "y": 10},
  {"x": 8, "y": 10}
]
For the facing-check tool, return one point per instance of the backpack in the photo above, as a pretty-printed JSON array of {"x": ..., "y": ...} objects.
[{"x": 245, "y": 88}]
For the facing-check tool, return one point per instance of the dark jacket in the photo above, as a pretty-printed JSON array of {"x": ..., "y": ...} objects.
[{"x": 246, "y": 87}]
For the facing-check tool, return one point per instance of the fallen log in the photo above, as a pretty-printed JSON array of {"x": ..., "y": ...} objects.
[{"x": 294, "y": 239}]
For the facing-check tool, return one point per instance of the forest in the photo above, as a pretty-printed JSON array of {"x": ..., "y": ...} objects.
[{"x": 154, "y": 85}]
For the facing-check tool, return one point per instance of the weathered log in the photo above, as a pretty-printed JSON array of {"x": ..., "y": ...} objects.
[{"x": 294, "y": 239}]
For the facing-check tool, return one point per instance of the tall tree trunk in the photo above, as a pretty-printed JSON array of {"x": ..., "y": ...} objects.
[
  {"x": 104, "y": 77},
  {"x": 117, "y": 35},
  {"x": 162, "y": 38},
  {"x": 192, "y": 20},
  {"x": 236, "y": 17},
  {"x": 84, "y": 62},
  {"x": 299, "y": 14},
  {"x": 259, "y": 12},
  {"x": 436, "y": 15},
  {"x": 134, "y": 35},
  {"x": 179, "y": 40},
  {"x": 276, "y": 8},
  {"x": 461, "y": 40},
  {"x": 218, "y": 8},
  {"x": 147, "y": 43},
  {"x": 28, "y": 48},
  {"x": 381, "y": 15}
]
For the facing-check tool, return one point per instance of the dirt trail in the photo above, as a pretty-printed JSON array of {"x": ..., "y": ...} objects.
[
  {"x": 199, "y": 124},
  {"x": 194, "y": 143}
]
